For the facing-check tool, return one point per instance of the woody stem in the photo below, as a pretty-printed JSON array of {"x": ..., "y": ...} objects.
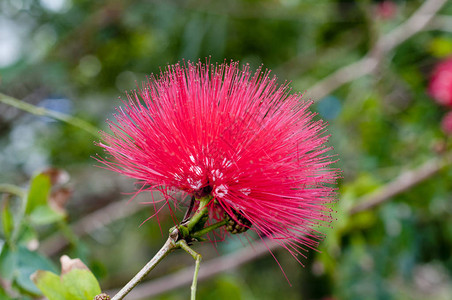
[
  {"x": 179, "y": 235},
  {"x": 200, "y": 212},
  {"x": 209, "y": 228},
  {"x": 167, "y": 248},
  {"x": 183, "y": 244}
]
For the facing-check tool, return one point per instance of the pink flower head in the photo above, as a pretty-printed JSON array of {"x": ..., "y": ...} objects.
[
  {"x": 446, "y": 123},
  {"x": 440, "y": 87},
  {"x": 240, "y": 137}
]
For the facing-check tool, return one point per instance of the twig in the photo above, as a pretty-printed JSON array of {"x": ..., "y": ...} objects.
[
  {"x": 200, "y": 233},
  {"x": 417, "y": 22},
  {"x": 167, "y": 248},
  {"x": 41, "y": 111},
  {"x": 197, "y": 257},
  {"x": 178, "y": 238}
]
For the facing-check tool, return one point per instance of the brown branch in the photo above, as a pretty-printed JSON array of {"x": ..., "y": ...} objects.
[{"x": 416, "y": 23}]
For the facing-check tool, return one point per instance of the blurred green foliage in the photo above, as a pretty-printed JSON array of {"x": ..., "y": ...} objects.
[{"x": 78, "y": 56}]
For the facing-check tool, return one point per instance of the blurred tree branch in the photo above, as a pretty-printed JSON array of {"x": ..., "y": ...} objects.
[
  {"x": 401, "y": 183},
  {"x": 417, "y": 22},
  {"x": 41, "y": 111}
]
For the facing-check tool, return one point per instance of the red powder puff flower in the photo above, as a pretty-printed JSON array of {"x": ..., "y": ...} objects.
[
  {"x": 440, "y": 87},
  {"x": 240, "y": 138},
  {"x": 446, "y": 123}
]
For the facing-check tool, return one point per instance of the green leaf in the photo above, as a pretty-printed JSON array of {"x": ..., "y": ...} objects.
[
  {"x": 7, "y": 220},
  {"x": 81, "y": 284},
  {"x": 50, "y": 285},
  {"x": 78, "y": 284},
  {"x": 29, "y": 262},
  {"x": 75, "y": 283},
  {"x": 8, "y": 262},
  {"x": 44, "y": 215},
  {"x": 38, "y": 193}
]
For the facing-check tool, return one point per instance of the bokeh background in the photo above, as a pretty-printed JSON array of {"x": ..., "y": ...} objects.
[{"x": 363, "y": 63}]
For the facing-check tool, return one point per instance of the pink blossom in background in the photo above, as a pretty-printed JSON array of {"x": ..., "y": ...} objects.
[
  {"x": 205, "y": 129},
  {"x": 386, "y": 10},
  {"x": 446, "y": 123},
  {"x": 440, "y": 87}
]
